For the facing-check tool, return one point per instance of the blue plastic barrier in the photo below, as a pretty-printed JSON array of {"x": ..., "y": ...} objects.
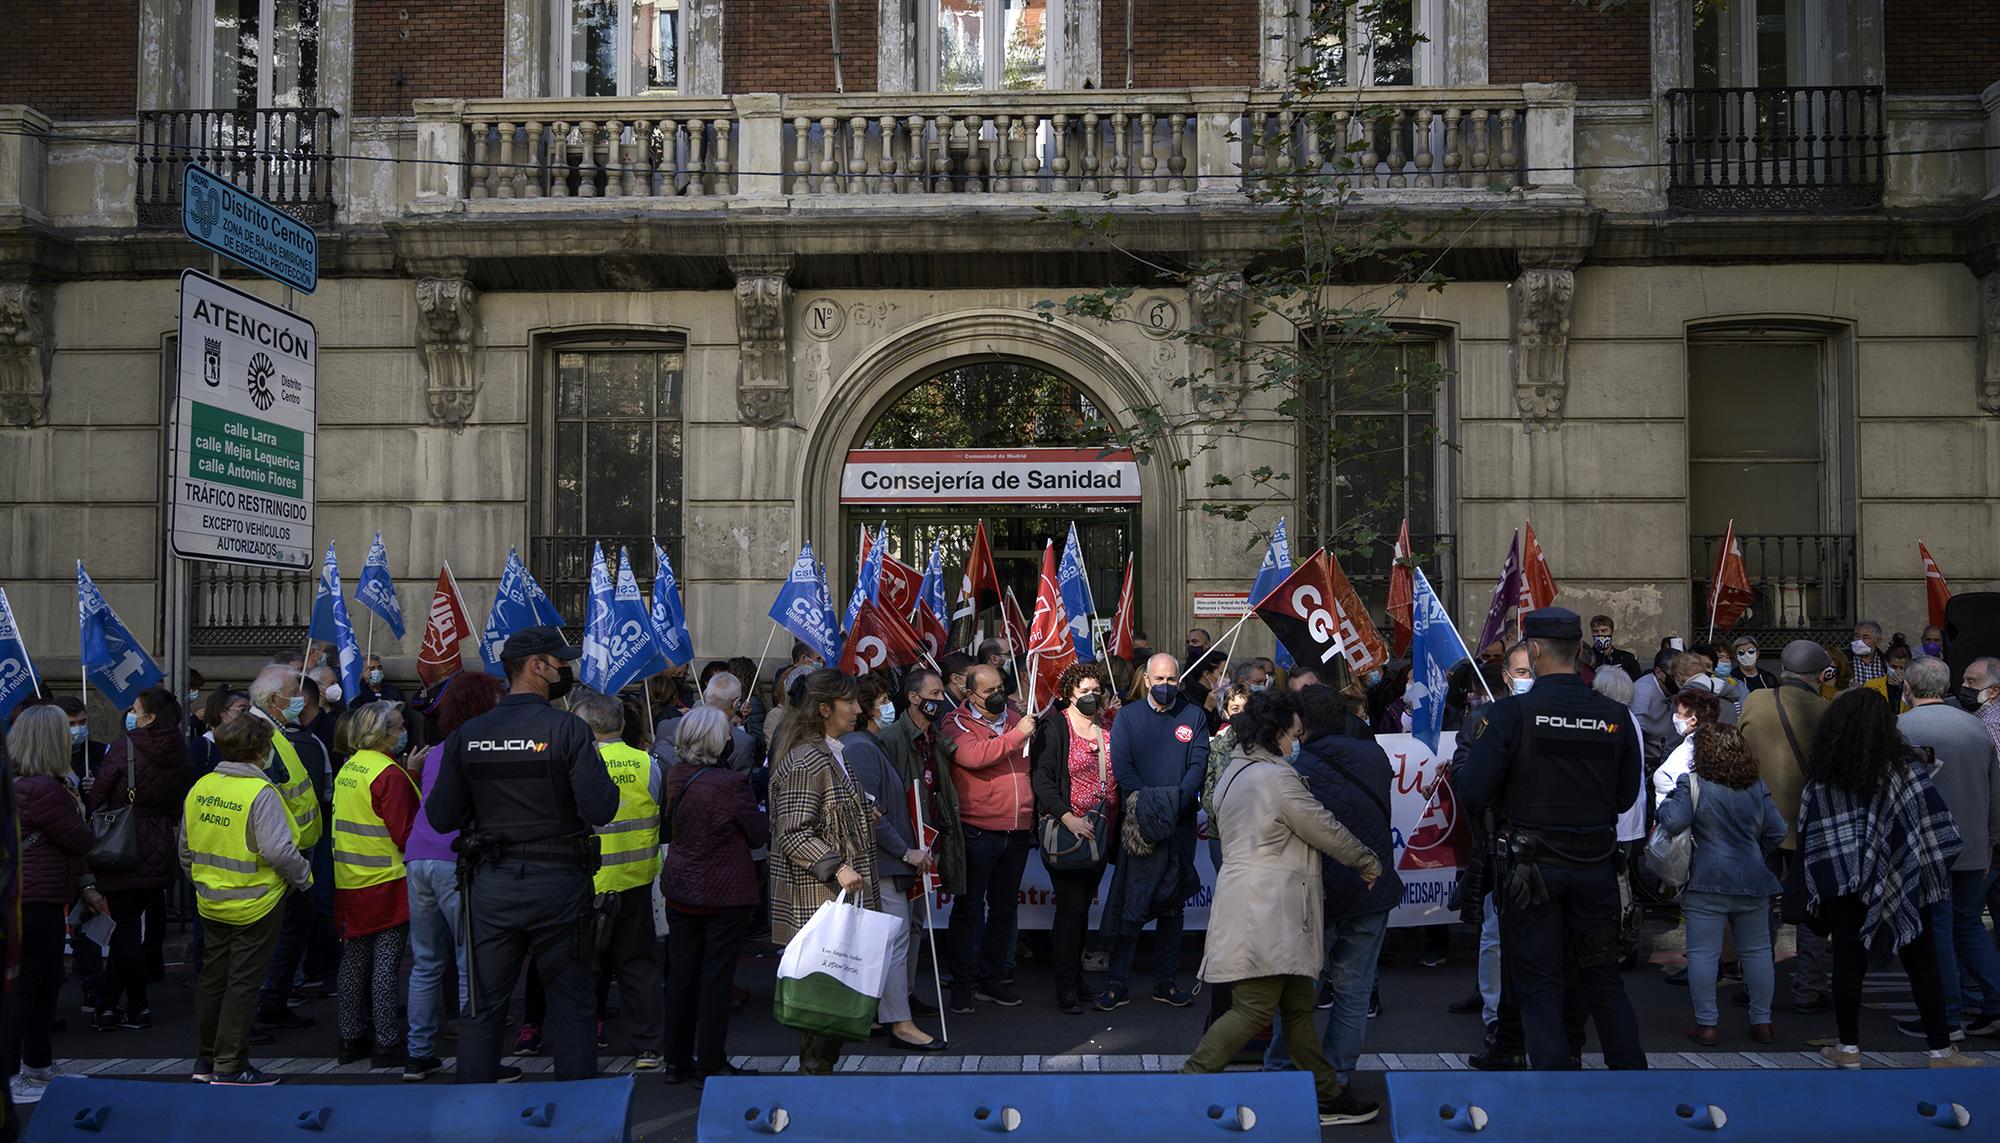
[
  {"x": 1052, "y": 1107},
  {"x": 1819, "y": 1105},
  {"x": 82, "y": 1109}
]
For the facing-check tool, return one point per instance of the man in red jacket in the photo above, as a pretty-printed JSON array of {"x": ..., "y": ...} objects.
[{"x": 987, "y": 745}]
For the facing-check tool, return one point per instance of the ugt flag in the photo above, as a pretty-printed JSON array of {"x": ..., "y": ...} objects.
[
  {"x": 669, "y": 620},
  {"x": 1272, "y": 572},
  {"x": 513, "y": 609},
  {"x": 376, "y": 591},
  {"x": 1435, "y": 649},
  {"x": 330, "y": 624},
  {"x": 1076, "y": 598},
  {"x": 801, "y": 608},
  {"x": 17, "y": 671},
  {"x": 113, "y": 661},
  {"x": 445, "y": 627}
]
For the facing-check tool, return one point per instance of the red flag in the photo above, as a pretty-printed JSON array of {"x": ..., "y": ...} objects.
[
  {"x": 1402, "y": 592},
  {"x": 446, "y": 628},
  {"x": 1015, "y": 624},
  {"x": 878, "y": 640},
  {"x": 980, "y": 589},
  {"x": 1538, "y": 584},
  {"x": 1729, "y": 593},
  {"x": 1366, "y": 649},
  {"x": 1121, "y": 622},
  {"x": 1316, "y": 614},
  {"x": 899, "y": 585},
  {"x": 933, "y": 633},
  {"x": 1937, "y": 593},
  {"x": 1050, "y": 648},
  {"x": 927, "y": 839}
]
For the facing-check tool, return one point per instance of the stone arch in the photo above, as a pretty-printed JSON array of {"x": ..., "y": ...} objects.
[{"x": 849, "y": 407}]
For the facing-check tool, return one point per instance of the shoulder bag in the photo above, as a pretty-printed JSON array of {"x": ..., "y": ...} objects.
[
  {"x": 1670, "y": 856},
  {"x": 116, "y": 828},
  {"x": 1062, "y": 850}
]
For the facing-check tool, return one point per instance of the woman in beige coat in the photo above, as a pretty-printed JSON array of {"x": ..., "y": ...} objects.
[{"x": 1264, "y": 935}]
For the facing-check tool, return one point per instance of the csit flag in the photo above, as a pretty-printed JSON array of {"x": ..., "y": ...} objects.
[
  {"x": 112, "y": 659},
  {"x": 801, "y": 607},
  {"x": 17, "y": 671},
  {"x": 931, "y": 622},
  {"x": 1435, "y": 649},
  {"x": 617, "y": 632},
  {"x": 445, "y": 627},
  {"x": 1076, "y": 598},
  {"x": 330, "y": 623},
  {"x": 1272, "y": 572},
  {"x": 513, "y": 609},
  {"x": 669, "y": 618},
  {"x": 376, "y": 591}
]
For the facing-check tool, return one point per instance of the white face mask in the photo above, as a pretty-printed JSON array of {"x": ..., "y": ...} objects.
[
  {"x": 331, "y": 693},
  {"x": 1860, "y": 648},
  {"x": 1683, "y": 726},
  {"x": 375, "y": 678},
  {"x": 886, "y": 713},
  {"x": 1520, "y": 686}
]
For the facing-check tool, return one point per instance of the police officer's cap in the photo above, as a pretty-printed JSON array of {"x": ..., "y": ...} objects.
[
  {"x": 1551, "y": 623},
  {"x": 538, "y": 641}
]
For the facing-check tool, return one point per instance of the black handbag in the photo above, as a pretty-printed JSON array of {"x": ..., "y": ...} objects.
[
  {"x": 1065, "y": 852},
  {"x": 116, "y": 828}
]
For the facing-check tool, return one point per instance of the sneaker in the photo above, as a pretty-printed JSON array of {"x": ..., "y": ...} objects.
[
  {"x": 1344, "y": 1110},
  {"x": 1007, "y": 976},
  {"x": 204, "y": 1071},
  {"x": 1678, "y": 976},
  {"x": 1953, "y": 1058},
  {"x": 601, "y": 1041},
  {"x": 1113, "y": 997},
  {"x": 138, "y": 1020},
  {"x": 106, "y": 1020},
  {"x": 530, "y": 1041},
  {"x": 267, "y": 1018},
  {"x": 961, "y": 1001},
  {"x": 1846, "y": 1059},
  {"x": 1375, "y": 1004},
  {"x": 648, "y": 1062},
  {"x": 1982, "y": 1025},
  {"x": 997, "y": 993},
  {"x": 1324, "y": 1000},
  {"x": 312, "y": 984},
  {"x": 1914, "y": 1029},
  {"x": 506, "y": 1073},
  {"x": 1069, "y": 1004},
  {"x": 417, "y": 1067},
  {"x": 1430, "y": 960},
  {"x": 248, "y": 1077},
  {"x": 27, "y": 1087},
  {"x": 1173, "y": 994}
]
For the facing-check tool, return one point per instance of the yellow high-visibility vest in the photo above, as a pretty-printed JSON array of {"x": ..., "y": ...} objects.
[
  {"x": 301, "y": 800},
  {"x": 363, "y": 852},
  {"x": 232, "y": 884},
  {"x": 631, "y": 841}
]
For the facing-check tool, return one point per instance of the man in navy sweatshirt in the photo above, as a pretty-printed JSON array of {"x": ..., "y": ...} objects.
[{"x": 1160, "y": 743}]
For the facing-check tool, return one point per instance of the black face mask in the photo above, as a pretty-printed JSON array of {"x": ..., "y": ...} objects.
[
  {"x": 1088, "y": 705},
  {"x": 995, "y": 702},
  {"x": 565, "y": 679},
  {"x": 1968, "y": 698},
  {"x": 930, "y": 708}
]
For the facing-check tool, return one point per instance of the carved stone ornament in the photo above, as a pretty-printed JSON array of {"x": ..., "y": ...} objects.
[
  {"x": 1541, "y": 305},
  {"x": 447, "y": 318},
  {"x": 26, "y": 340},
  {"x": 763, "y": 382},
  {"x": 1220, "y": 307},
  {"x": 1989, "y": 343}
]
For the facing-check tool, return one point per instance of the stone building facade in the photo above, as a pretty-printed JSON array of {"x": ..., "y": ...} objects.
[{"x": 524, "y": 203}]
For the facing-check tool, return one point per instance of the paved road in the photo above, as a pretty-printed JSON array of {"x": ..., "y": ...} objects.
[{"x": 1414, "y": 1032}]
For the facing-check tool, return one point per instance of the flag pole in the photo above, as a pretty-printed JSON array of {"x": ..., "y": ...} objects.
[
  {"x": 1247, "y": 613},
  {"x": 1715, "y": 588},
  {"x": 930, "y": 920}
]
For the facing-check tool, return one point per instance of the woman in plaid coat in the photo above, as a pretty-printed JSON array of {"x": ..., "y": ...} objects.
[{"x": 822, "y": 831}]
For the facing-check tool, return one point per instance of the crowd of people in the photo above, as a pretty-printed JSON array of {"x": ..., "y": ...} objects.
[{"x": 395, "y": 851}]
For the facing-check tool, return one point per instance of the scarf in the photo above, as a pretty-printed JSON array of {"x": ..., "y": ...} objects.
[{"x": 1893, "y": 850}]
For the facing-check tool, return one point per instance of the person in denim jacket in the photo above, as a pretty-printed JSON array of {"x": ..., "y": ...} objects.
[{"x": 1736, "y": 824}]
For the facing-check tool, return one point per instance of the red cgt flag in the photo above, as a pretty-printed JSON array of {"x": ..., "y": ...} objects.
[
  {"x": 1050, "y": 648},
  {"x": 1402, "y": 592},
  {"x": 446, "y": 628},
  {"x": 899, "y": 585},
  {"x": 1015, "y": 624},
  {"x": 878, "y": 640},
  {"x": 1316, "y": 614},
  {"x": 1729, "y": 594},
  {"x": 1538, "y": 584},
  {"x": 980, "y": 589},
  {"x": 1937, "y": 592},
  {"x": 1121, "y": 623}
]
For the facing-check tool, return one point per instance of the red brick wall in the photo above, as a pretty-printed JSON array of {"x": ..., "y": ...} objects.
[
  {"x": 787, "y": 46},
  {"x": 71, "y": 59},
  {"x": 1555, "y": 41},
  {"x": 1182, "y": 43},
  {"x": 1940, "y": 47},
  {"x": 446, "y": 49}
]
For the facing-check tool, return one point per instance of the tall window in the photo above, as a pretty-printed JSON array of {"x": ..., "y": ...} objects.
[
  {"x": 994, "y": 45},
  {"x": 1374, "y": 43},
  {"x": 617, "y": 47},
  {"x": 259, "y": 53},
  {"x": 1758, "y": 441},
  {"x": 1752, "y": 43}
]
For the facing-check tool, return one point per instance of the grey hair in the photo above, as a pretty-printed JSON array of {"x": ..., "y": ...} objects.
[
  {"x": 1613, "y": 683},
  {"x": 1989, "y": 669},
  {"x": 1869, "y": 624},
  {"x": 323, "y": 674},
  {"x": 270, "y": 683},
  {"x": 368, "y": 726},
  {"x": 39, "y": 742},
  {"x": 723, "y": 691},
  {"x": 701, "y": 735},
  {"x": 1927, "y": 677},
  {"x": 599, "y": 711}
]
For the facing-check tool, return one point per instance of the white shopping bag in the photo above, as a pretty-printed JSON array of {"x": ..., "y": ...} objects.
[{"x": 833, "y": 972}]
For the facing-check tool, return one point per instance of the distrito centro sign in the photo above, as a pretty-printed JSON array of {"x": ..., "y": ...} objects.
[
  {"x": 246, "y": 413},
  {"x": 240, "y": 226}
]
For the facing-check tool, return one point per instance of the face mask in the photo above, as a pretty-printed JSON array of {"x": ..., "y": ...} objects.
[
  {"x": 1724, "y": 668},
  {"x": 374, "y": 678},
  {"x": 1748, "y": 659},
  {"x": 331, "y": 693},
  {"x": 295, "y": 708},
  {"x": 1292, "y": 755},
  {"x": 995, "y": 702},
  {"x": 402, "y": 742},
  {"x": 1088, "y": 704},
  {"x": 1163, "y": 694},
  {"x": 1601, "y": 642},
  {"x": 565, "y": 679},
  {"x": 1860, "y": 648},
  {"x": 1969, "y": 698},
  {"x": 1934, "y": 650},
  {"x": 886, "y": 713},
  {"x": 1896, "y": 674},
  {"x": 1374, "y": 679},
  {"x": 78, "y": 735},
  {"x": 1683, "y": 726},
  {"x": 931, "y": 708},
  {"x": 1521, "y": 686},
  {"x": 131, "y": 721},
  {"x": 1259, "y": 688},
  {"x": 192, "y": 696}
]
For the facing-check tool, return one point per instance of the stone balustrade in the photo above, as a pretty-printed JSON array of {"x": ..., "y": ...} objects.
[
  {"x": 1392, "y": 138},
  {"x": 598, "y": 148}
]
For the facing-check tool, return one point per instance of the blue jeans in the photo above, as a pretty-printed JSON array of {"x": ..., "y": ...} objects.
[
  {"x": 1353, "y": 947},
  {"x": 1749, "y": 920},
  {"x": 1967, "y": 960},
  {"x": 1166, "y": 953},
  {"x": 434, "y": 942},
  {"x": 982, "y": 920}
]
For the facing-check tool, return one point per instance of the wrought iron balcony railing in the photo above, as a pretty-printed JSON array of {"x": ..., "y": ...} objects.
[
  {"x": 562, "y": 566},
  {"x": 249, "y": 610},
  {"x": 281, "y": 154},
  {"x": 1775, "y": 148},
  {"x": 1804, "y": 585}
]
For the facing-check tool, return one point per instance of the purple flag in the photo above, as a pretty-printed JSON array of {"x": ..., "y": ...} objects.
[{"x": 1504, "y": 596}]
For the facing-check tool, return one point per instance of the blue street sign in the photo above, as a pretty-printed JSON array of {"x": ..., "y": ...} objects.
[{"x": 244, "y": 228}]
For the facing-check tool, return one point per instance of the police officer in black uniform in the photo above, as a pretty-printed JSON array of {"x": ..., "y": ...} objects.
[
  {"x": 1559, "y": 763},
  {"x": 523, "y": 783}
]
